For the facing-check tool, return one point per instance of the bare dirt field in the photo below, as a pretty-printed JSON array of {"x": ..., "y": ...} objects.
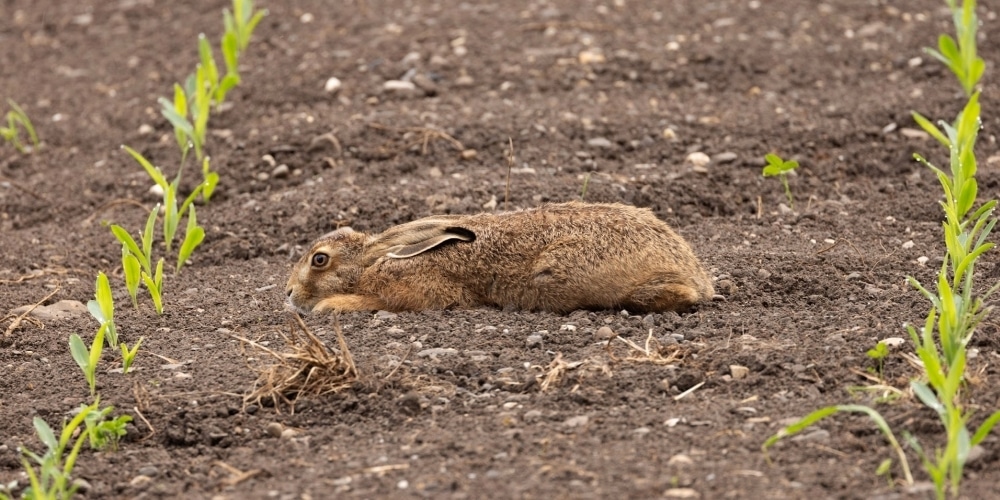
[{"x": 614, "y": 95}]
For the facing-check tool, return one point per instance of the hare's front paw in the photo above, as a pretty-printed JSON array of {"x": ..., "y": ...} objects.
[{"x": 349, "y": 302}]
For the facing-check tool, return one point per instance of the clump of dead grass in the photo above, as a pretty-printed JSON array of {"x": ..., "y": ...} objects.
[
  {"x": 652, "y": 352},
  {"x": 559, "y": 370},
  {"x": 308, "y": 368}
]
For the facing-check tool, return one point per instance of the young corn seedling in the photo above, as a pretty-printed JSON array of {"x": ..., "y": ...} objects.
[
  {"x": 780, "y": 168},
  {"x": 960, "y": 55},
  {"x": 136, "y": 260},
  {"x": 88, "y": 358},
  {"x": 152, "y": 280},
  {"x": 955, "y": 311},
  {"x": 102, "y": 308},
  {"x": 172, "y": 214},
  {"x": 52, "y": 479},
  {"x": 193, "y": 237},
  {"x": 17, "y": 118},
  {"x": 211, "y": 180},
  {"x": 128, "y": 355},
  {"x": 104, "y": 433},
  {"x": 878, "y": 354},
  {"x": 242, "y": 21}
]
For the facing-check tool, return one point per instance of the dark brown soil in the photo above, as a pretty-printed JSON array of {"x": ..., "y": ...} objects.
[{"x": 807, "y": 292}]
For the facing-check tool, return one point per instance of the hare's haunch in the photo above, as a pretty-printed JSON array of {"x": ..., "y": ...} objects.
[{"x": 557, "y": 257}]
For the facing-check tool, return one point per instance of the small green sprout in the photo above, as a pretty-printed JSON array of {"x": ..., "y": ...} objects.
[
  {"x": 18, "y": 118},
  {"x": 822, "y": 413},
  {"x": 132, "y": 270},
  {"x": 960, "y": 56},
  {"x": 172, "y": 214},
  {"x": 128, "y": 355},
  {"x": 885, "y": 469},
  {"x": 155, "y": 286},
  {"x": 102, "y": 308},
  {"x": 193, "y": 237},
  {"x": 211, "y": 180},
  {"x": 152, "y": 279},
  {"x": 55, "y": 466},
  {"x": 242, "y": 21},
  {"x": 878, "y": 354},
  {"x": 88, "y": 358},
  {"x": 103, "y": 433},
  {"x": 778, "y": 167}
]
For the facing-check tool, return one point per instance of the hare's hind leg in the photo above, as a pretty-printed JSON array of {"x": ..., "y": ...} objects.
[{"x": 662, "y": 297}]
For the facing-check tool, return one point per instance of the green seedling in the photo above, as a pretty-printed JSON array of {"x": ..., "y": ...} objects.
[
  {"x": 154, "y": 284},
  {"x": 960, "y": 55},
  {"x": 152, "y": 279},
  {"x": 211, "y": 180},
  {"x": 16, "y": 119},
  {"x": 52, "y": 479},
  {"x": 103, "y": 433},
  {"x": 131, "y": 269},
  {"x": 242, "y": 21},
  {"x": 955, "y": 312},
  {"x": 176, "y": 112},
  {"x": 780, "y": 168},
  {"x": 141, "y": 255},
  {"x": 193, "y": 237},
  {"x": 88, "y": 358},
  {"x": 172, "y": 214},
  {"x": 829, "y": 411},
  {"x": 885, "y": 469},
  {"x": 878, "y": 354},
  {"x": 128, "y": 355},
  {"x": 102, "y": 308}
]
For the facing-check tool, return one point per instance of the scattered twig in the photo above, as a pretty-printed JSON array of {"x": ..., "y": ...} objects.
[
  {"x": 827, "y": 249},
  {"x": 18, "y": 319},
  {"x": 236, "y": 476},
  {"x": 152, "y": 431},
  {"x": 689, "y": 391},
  {"x": 111, "y": 204},
  {"x": 426, "y": 135},
  {"x": 400, "y": 364}
]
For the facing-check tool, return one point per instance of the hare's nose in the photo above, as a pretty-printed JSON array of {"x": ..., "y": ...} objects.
[{"x": 288, "y": 291}]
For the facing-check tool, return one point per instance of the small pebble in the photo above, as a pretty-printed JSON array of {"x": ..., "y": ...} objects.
[
  {"x": 698, "y": 159},
  {"x": 333, "y": 85},
  {"x": 274, "y": 429},
  {"x": 599, "y": 142},
  {"x": 145, "y": 129},
  {"x": 149, "y": 471},
  {"x": 604, "y": 333},
  {"x": 399, "y": 85},
  {"x": 435, "y": 352},
  {"x": 578, "y": 421},
  {"x": 738, "y": 371},
  {"x": 280, "y": 172},
  {"x": 385, "y": 315},
  {"x": 726, "y": 157},
  {"x": 534, "y": 340}
]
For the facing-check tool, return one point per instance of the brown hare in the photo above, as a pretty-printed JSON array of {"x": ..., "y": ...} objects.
[{"x": 557, "y": 257}]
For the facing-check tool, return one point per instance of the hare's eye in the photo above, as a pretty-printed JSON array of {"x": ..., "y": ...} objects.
[{"x": 320, "y": 260}]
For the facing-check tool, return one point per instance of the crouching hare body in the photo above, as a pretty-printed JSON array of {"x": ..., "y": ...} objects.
[{"x": 557, "y": 257}]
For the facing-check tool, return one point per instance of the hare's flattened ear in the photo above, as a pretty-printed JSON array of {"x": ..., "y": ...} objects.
[
  {"x": 421, "y": 232},
  {"x": 451, "y": 233}
]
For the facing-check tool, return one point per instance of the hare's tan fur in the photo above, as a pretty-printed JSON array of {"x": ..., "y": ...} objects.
[{"x": 557, "y": 257}]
